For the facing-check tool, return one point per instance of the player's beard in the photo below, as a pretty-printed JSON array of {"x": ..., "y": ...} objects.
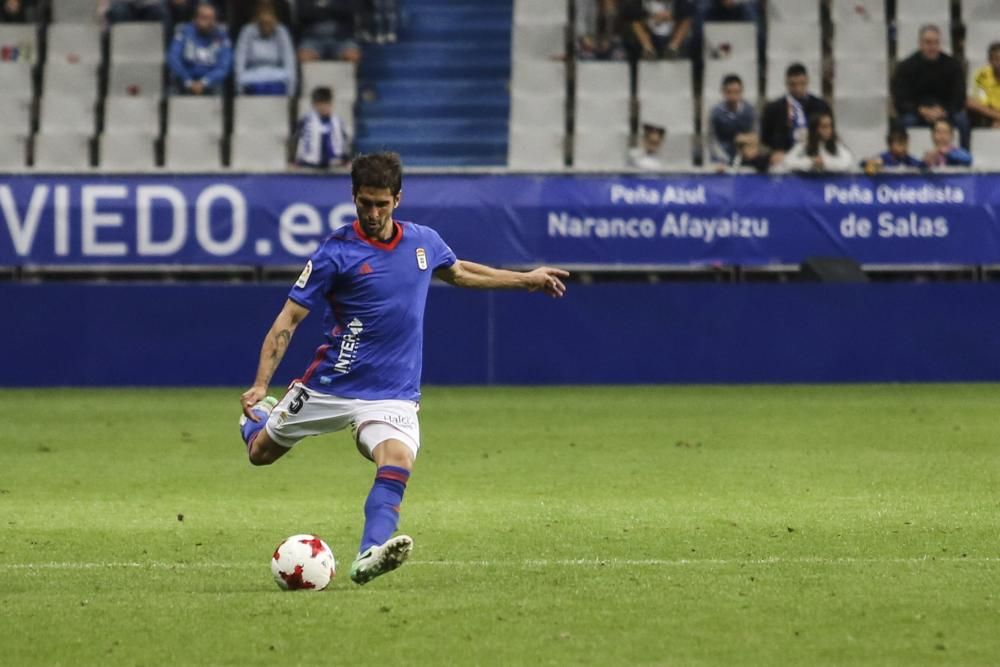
[{"x": 377, "y": 228}]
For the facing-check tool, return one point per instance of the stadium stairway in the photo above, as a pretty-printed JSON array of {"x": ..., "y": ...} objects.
[{"x": 439, "y": 96}]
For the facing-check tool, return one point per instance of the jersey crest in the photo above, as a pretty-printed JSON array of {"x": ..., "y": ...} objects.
[{"x": 421, "y": 259}]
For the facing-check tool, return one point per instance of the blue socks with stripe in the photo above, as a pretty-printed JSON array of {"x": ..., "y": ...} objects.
[{"x": 382, "y": 506}]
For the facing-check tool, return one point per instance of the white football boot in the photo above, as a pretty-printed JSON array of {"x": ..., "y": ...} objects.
[{"x": 376, "y": 561}]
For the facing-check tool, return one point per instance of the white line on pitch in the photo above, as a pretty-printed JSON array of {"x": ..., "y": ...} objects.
[{"x": 530, "y": 563}]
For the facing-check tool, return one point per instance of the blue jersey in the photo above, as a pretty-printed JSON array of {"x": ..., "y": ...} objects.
[{"x": 373, "y": 296}]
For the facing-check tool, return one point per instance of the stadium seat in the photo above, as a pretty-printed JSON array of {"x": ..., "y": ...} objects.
[
  {"x": 66, "y": 114},
  {"x": 986, "y": 148},
  {"x": 16, "y": 81},
  {"x": 601, "y": 113},
  {"x": 677, "y": 151},
  {"x": 794, "y": 41},
  {"x": 533, "y": 12},
  {"x": 908, "y": 37},
  {"x": 543, "y": 111},
  {"x": 861, "y": 112},
  {"x": 128, "y": 151},
  {"x": 865, "y": 42},
  {"x": 924, "y": 11},
  {"x": 13, "y": 151},
  {"x": 192, "y": 151},
  {"x": 857, "y": 11},
  {"x": 603, "y": 79},
  {"x": 253, "y": 151},
  {"x": 62, "y": 150},
  {"x": 736, "y": 41},
  {"x": 20, "y": 43},
  {"x": 921, "y": 141},
  {"x": 531, "y": 147},
  {"x": 16, "y": 115},
  {"x": 193, "y": 114},
  {"x": 978, "y": 37},
  {"x": 340, "y": 76},
  {"x": 261, "y": 115},
  {"x": 792, "y": 11},
  {"x": 538, "y": 42},
  {"x": 74, "y": 43},
  {"x": 776, "y": 68},
  {"x": 604, "y": 150},
  {"x": 859, "y": 78},
  {"x": 74, "y": 11},
  {"x": 664, "y": 78},
  {"x": 540, "y": 78},
  {"x": 674, "y": 113},
  {"x": 138, "y": 42},
  {"x": 143, "y": 78},
  {"x": 132, "y": 114},
  {"x": 864, "y": 143},
  {"x": 980, "y": 10},
  {"x": 69, "y": 80}
]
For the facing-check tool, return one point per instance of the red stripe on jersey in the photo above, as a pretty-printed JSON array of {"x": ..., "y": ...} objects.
[
  {"x": 381, "y": 245},
  {"x": 320, "y": 353}
]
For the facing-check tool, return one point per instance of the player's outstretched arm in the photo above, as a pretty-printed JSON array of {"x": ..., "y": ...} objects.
[
  {"x": 271, "y": 353},
  {"x": 478, "y": 276}
]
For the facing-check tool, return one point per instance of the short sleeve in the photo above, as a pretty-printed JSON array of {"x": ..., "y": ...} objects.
[
  {"x": 315, "y": 281},
  {"x": 441, "y": 255},
  {"x": 979, "y": 86}
]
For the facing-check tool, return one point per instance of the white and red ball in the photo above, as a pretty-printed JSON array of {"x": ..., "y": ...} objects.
[{"x": 303, "y": 563}]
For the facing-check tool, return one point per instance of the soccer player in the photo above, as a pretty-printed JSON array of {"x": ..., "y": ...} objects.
[{"x": 370, "y": 281}]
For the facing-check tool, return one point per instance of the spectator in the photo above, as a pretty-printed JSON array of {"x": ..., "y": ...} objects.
[
  {"x": 929, "y": 86},
  {"x": 822, "y": 151},
  {"x": 647, "y": 155},
  {"x": 322, "y": 136},
  {"x": 182, "y": 11},
  {"x": 785, "y": 120},
  {"x": 135, "y": 10},
  {"x": 750, "y": 154},
  {"x": 896, "y": 157},
  {"x": 597, "y": 28},
  {"x": 328, "y": 30},
  {"x": 729, "y": 118},
  {"x": 14, "y": 11},
  {"x": 200, "y": 56},
  {"x": 945, "y": 153},
  {"x": 657, "y": 28},
  {"x": 265, "y": 56},
  {"x": 379, "y": 19},
  {"x": 985, "y": 98},
  {"x": 730, "y": 10},
  {"x": 245, "y": 12}
]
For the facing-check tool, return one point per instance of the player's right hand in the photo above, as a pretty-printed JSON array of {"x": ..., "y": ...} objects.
[{"x": 250, "y": 398}]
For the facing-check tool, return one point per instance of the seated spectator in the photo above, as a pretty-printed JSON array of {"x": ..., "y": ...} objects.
[
  {"x": 15, "y": 11},
  {"x": 896, "y": 157},
  {"x": 657, "y": 28},
  {"x": 200, "y": 56},
  {"x": 822, "y": 151},
  {"x": 597, "y": 30},
  {"x": 945, "y": 153},
  {"x": 265, "y": 57},
  {"x": 729, "y": 118},
  {"x": 785, "y": 120},
  {"x": 929, "y": 86},
  {"x": 322, "y": 136},
  {"x": 750, "y": 154},
  {"x": 242, "y": 13},
  {"x": 135, "y": 10},
  {"x": 182, "y": 11},
  {"x": 646, "y": 156},
  {"x": 984, "y": 101},
  {"x": 328, "y": 30}
]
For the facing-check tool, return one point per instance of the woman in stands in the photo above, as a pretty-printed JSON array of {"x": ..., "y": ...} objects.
[
  {"x": 822, "y": 151},
  {"x": 265, "y": 56}
]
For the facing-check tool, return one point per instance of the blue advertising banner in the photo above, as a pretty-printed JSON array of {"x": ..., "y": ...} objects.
[{"x": 278, "y": 220}]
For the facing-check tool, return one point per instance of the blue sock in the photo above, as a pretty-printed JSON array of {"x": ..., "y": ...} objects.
[
  {"x": 382, "y": 506},
  {"x": 252, "y": 428}
]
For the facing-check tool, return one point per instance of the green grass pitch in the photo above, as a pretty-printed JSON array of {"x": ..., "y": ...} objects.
[{"x": 553, "y": 526}]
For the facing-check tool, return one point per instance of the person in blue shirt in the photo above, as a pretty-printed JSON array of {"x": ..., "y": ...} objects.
[
  {"x": 369, "y": 280},
  {"x": 896, "y": 157},
  {"x": 201, "y": 55},
  {"x": 728, "y": 119},
  {"x": 945, "y": 153},
  {"x": 322, "y": 139}
]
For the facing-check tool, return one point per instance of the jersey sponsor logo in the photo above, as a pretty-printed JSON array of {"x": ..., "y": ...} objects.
[
  {"x": 421, "y": 259},
  {"x": 349, "y": 346},
  {"x": 304, "y": 276}
]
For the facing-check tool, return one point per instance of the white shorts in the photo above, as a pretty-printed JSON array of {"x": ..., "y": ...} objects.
[{"x": 304, "y": 412}]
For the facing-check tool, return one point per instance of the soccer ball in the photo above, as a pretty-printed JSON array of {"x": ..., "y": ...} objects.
[{"x": 303, "y": 562}]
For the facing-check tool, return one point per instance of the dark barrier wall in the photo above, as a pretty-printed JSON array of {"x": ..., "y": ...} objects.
[{"x": 74, "y": 334}]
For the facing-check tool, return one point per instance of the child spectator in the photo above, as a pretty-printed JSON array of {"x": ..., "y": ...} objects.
[
  {"x": 985, "y": 98},
  {"x": 328, "y": 30},
  {"x": 647, "y": 155},
  {"x": 200, "y": 56},
  {"x": 945, "y": 153},
  {"x": 750, "y": 154},
  {"x": 896, "y": 157},
  {"x": 785, "y": 120},
  {"x": 265, "y": 56},
  {"x": 657, "y": 28},
  {"x": 322, "y": 137},
  {"x": 135, "y": 10},
  {"x": 822, "y": 151},
  {"x": 729, "y": 118}
]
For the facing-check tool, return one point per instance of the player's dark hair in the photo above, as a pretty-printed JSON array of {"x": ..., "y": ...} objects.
[
  {"x": 813, "y": 141},
  {"x": 897, "y": 133},
  {"x": 796, "y": 69},
  {"x": 731, "y": 78},
  {"x": 377, "y": 170},
  {"x": 994, "y": 47},
  {"x": 322, "y": 94}
]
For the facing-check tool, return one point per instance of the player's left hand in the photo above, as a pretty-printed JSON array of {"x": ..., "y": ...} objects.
[{"x": 547, "y": 279}]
